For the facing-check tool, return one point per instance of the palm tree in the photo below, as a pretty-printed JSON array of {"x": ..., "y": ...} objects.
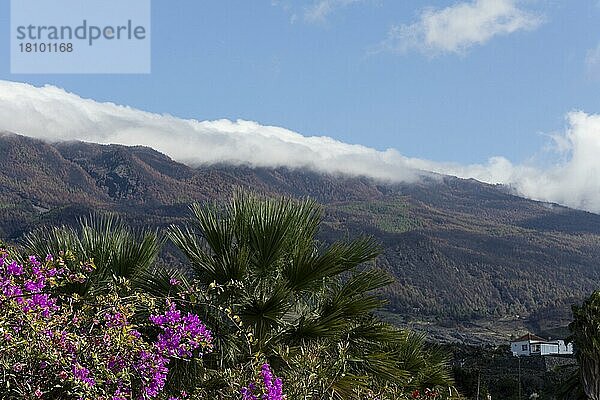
[
  {"x": 585, "y": 330},
  {"x": 116, "y": 250},
  {"x": 295, "y": 293}
]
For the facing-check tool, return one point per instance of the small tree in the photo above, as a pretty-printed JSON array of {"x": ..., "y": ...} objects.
[
  {"x": 302, "y": 300},
  {"x": 117, "y": 250},
  {"x": 586, "y": 337}
]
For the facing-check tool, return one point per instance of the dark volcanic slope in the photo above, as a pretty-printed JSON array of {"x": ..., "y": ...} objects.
[{"x": 457, "y": 247}]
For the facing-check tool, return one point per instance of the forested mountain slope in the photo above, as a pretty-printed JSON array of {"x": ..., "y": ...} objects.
[{"x": 459, "y": 249}]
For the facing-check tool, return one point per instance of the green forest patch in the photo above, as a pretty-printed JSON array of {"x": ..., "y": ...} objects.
[{"x": 391, "y": 215}]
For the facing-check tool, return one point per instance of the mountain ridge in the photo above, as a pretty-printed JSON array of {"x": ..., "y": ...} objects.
[{"x": 460, "y": 250}]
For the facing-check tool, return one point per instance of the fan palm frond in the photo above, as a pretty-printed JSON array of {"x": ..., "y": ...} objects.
[{"x": 116, "y": 250}]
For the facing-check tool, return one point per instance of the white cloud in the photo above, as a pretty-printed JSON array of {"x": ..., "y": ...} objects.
[
  {"x": 456, "y": 28},
  {"x": 572, "y": 180},
  {"x": 51, "y": 114},
  {"x": 321, "y": 9}
]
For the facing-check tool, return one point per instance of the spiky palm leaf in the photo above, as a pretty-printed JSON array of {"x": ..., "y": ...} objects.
[
  {"x": 116, "y": 250},
  {"x": 292, "y": 292}
]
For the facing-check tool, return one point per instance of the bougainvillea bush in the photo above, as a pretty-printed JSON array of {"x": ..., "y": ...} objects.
[
  {"x": 57, "y": 345},
  {"x": 268, "y": 387}
]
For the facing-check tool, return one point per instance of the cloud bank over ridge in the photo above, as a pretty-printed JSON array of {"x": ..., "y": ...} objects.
[{"x": 52, "y": 114}]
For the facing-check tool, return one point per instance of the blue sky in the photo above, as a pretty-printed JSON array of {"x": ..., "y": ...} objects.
[{"x": 324, "y": 67}]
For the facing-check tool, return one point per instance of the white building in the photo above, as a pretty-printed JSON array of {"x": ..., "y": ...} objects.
[{"x": 532, "y": 345}]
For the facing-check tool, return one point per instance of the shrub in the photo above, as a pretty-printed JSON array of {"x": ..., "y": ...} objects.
[{"x": 55, "y": 345}]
